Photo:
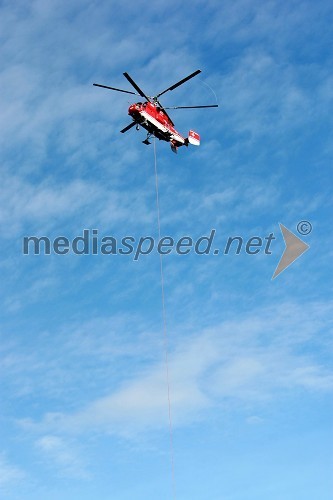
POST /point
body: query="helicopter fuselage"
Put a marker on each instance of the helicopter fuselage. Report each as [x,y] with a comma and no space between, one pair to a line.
[152,118]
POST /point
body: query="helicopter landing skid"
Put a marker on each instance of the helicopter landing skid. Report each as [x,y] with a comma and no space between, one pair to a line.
[146,141]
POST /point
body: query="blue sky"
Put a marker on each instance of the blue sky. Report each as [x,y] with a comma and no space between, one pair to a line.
[84,410]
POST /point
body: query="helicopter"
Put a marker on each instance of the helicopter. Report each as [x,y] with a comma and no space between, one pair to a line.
[153,117]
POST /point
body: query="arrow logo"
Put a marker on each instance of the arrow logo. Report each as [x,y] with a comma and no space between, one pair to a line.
[294,249]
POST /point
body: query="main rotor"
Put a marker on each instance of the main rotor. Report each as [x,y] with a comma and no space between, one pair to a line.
[154,99]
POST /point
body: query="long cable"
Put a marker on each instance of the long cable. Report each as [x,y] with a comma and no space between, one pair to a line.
[200,80]
[165,333]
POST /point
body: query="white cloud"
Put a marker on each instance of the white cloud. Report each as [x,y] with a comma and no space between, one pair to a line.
[73,373]
[243,363]
[49,204]
[63,455]
[25,202]
[9,473]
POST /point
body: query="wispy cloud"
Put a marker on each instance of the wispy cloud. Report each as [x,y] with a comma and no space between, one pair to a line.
[56,452]
[250,362]
[82,359]
[9,474]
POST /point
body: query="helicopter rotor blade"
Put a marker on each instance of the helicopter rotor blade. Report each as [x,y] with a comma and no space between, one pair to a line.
[137,88]
[127,128]
[113,88]
[193,107]
[180,82]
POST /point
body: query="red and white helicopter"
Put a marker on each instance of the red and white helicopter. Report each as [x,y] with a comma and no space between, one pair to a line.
[153,117]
